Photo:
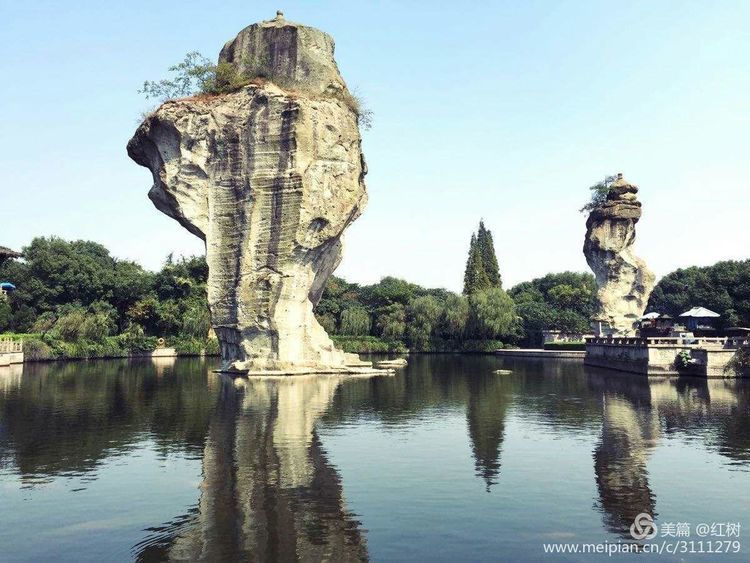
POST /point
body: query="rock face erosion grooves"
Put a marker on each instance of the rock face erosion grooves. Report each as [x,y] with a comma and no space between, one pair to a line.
[625,282]
[269,177]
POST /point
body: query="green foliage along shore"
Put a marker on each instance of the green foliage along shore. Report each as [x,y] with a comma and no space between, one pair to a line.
[395,315]
[723,288]
[564,301]
[77,301]
[74,300]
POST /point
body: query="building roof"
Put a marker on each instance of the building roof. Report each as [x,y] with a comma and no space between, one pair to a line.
[649,316]
[8,253]
[700,312]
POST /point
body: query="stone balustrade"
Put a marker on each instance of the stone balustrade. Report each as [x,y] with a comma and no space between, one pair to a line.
[723,342]
[11,352]
[708,357]
[9,346]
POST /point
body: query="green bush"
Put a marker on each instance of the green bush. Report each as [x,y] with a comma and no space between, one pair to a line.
[599,193]
[54,348]
[5,314]
[187,346]
[20,335]
[194,75]
[36,350]
[134,339]
[739,365]
[212,347]
[79,324]
[391,321]
[571,346]
[447,345]
[368,344]
[683,359]
[110,347]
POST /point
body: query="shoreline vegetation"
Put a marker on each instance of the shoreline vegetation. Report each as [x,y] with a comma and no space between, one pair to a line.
[44,348]
[75,301]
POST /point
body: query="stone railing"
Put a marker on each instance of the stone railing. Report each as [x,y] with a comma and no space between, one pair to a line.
[618,340]
[724,342]
[8,346]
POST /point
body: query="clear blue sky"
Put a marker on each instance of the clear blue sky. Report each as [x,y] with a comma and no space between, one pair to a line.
[502,110]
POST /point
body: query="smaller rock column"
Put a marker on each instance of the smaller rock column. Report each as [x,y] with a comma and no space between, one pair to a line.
[625,282]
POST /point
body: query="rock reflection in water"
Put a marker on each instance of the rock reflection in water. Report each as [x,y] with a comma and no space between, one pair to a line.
[636,412]
[126,444]
[628,436]
[268,492]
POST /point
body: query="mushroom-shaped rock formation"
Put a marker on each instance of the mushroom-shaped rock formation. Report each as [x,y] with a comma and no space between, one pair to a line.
[269,176]
[625,282]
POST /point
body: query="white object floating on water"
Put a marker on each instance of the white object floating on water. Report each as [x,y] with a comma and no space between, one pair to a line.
[397,363]
[503,371]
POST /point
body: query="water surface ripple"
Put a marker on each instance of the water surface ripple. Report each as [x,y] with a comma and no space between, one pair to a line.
[159,460]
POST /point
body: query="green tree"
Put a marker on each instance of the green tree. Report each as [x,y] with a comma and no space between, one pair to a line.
[723,287]
[5,315]
[194,75]
[130,282]
[196,320]
[475,276]
[144,313]
[56,273]
[599,193]
[492,314]
[422,315]
[355,321]
[561,301]
[169,318]
[328,322]
[391,321]
[489,259]
[44,323]
[454,317]
[390,290]
[482,271]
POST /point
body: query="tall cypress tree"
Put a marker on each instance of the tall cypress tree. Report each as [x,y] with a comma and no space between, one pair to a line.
[489,259]
[475,277]
[482,271]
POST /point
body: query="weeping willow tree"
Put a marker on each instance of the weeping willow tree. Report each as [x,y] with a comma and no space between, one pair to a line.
[355,321]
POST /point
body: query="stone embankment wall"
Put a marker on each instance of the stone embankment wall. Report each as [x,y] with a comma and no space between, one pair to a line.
[657,356]
[11,352]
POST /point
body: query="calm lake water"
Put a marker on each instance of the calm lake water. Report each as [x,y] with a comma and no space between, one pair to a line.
[446,461]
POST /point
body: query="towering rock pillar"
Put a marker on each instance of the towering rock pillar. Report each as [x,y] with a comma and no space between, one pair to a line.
[625,282]
[269,176]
